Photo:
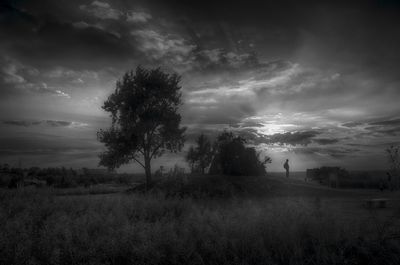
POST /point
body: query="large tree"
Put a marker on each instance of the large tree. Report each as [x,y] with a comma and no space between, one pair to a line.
[145,119]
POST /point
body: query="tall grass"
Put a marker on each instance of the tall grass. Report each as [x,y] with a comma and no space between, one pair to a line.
[40,228]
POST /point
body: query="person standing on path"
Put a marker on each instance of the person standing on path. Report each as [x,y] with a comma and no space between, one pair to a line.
[286,166]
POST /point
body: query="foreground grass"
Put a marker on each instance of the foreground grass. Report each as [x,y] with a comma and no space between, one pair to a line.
[41,228]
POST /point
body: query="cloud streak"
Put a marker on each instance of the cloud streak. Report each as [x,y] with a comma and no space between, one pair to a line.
[50,123]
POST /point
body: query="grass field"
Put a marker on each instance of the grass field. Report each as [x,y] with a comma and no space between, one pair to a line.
[269,221]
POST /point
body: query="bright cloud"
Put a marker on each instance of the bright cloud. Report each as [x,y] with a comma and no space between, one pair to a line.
[102,10]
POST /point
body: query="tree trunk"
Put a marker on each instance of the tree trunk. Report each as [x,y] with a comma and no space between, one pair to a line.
[148,173]
[201,165]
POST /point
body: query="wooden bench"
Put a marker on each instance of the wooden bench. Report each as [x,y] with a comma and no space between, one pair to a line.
[376,203]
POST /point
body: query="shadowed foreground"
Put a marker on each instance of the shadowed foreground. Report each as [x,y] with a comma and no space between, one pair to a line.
[41,228]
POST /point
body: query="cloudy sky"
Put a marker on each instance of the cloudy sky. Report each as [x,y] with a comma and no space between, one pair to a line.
[316,82]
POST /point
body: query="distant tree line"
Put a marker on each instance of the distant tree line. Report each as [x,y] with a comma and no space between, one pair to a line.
[58,177]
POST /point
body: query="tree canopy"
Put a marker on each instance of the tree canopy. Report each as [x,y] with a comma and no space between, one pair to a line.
[233,157]
[145,119]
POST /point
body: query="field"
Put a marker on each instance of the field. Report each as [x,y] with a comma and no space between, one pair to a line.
[249,220]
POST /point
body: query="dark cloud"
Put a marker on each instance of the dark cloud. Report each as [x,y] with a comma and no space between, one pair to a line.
[51,123]
[324,141]
[46,142]
[337,152]
[71,45]
[58,123]
[392,122]
[48,151]
[246,124]
[381,125]
[21,123]
[389,127]
[294,138]
[90,44]
[352,124]
[303,138]
[55,41]
[384,130]
[184,54]
[221,59]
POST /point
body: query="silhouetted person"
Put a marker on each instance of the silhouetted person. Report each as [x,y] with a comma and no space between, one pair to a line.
[286,166]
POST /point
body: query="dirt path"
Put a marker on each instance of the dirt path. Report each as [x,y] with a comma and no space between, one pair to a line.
[310,188]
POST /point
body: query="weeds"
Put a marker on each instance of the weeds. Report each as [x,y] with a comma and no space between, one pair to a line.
[40,228]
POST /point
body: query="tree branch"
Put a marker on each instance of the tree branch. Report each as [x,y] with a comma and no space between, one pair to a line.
[153,129]
[140,163]
[141,151]
[155,150]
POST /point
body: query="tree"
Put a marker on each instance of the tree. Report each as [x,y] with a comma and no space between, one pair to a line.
[234,158]
[200,157]
[191,158]
[230,150]
[145,121]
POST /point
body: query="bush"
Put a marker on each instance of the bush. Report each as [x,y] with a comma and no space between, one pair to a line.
[234,158]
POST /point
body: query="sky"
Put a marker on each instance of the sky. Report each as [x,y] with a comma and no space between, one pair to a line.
[316,82]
